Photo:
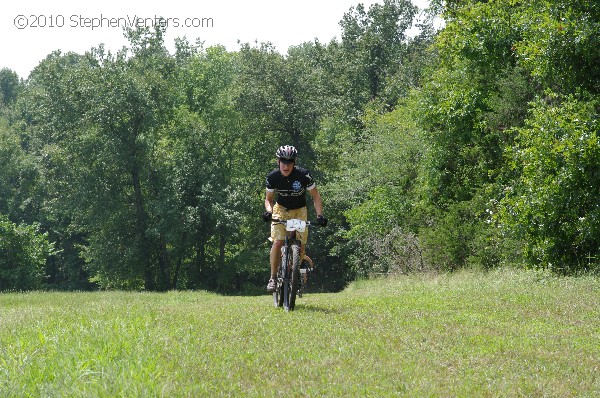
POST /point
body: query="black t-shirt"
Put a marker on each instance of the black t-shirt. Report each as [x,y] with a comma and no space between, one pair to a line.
[291,190]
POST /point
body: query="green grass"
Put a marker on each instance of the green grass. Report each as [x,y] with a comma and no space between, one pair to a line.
[505,333]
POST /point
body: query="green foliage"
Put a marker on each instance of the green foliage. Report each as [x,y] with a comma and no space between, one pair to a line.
[464,235]
[381,190]
[23,254]
[455,161]
[495,57]
[376,39]
[560,43]
[553,203]
[372,158]
[16,173]
[282,99]
[10,86]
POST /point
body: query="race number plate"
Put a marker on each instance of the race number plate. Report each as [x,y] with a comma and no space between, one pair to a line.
[295,225]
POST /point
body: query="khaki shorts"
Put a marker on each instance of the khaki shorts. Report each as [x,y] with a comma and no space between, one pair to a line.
[281,213]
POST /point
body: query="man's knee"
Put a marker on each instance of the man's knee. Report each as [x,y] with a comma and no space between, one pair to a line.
[277,244]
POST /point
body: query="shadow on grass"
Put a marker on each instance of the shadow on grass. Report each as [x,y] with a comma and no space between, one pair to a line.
[315,308]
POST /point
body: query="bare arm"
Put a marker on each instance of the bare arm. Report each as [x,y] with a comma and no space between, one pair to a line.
[269,201]
[316,196]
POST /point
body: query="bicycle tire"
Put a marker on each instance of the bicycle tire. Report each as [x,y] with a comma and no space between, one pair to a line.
[295,277]
[277,296]
[278,293]
[284,292]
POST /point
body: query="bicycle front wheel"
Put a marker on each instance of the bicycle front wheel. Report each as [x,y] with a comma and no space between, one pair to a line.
[295,277]
[282,280]
[278,296]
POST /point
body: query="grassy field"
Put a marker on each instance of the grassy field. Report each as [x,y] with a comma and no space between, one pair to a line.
[505,333]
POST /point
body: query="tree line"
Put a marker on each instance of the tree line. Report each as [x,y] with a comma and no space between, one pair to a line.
[472,145]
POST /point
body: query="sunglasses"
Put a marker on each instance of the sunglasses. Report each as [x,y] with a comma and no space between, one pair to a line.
[286,161]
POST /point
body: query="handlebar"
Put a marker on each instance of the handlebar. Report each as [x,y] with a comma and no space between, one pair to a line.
[281,221]
[295,224]
[308,223]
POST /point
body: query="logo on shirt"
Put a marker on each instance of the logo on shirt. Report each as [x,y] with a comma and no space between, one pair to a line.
[296,185]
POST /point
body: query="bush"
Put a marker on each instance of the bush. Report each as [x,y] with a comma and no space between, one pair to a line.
[23,254]
[446,241]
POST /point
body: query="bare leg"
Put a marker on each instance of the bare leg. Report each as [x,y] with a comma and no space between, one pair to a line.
[275,257]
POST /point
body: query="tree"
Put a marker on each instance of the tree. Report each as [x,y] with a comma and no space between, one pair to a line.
[17,173]
[559,44]
[553,204]
[385,216]
[203,152]
[374,44]
[94,121]
[370,145]
[469,100]
[10,86]
[133,98]
[495,58]
[281,97]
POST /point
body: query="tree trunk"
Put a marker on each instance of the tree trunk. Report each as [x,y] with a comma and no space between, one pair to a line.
[164,266]
[222,243]
[143,246]
[200,261]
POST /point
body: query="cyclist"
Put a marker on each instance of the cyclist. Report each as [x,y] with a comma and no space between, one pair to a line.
[290,182]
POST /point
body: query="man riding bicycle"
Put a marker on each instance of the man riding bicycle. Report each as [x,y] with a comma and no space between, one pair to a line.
[291,183]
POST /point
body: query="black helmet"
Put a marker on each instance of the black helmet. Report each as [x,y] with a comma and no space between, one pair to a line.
[287,152]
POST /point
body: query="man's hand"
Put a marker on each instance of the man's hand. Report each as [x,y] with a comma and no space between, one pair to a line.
[322,221]
[267,216]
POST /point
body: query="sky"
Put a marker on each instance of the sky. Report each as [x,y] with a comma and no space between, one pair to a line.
[31,30]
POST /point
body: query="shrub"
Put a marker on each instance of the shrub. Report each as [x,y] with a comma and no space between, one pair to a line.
[23,254]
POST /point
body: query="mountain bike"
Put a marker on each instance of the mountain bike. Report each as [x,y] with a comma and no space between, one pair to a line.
[289,280]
